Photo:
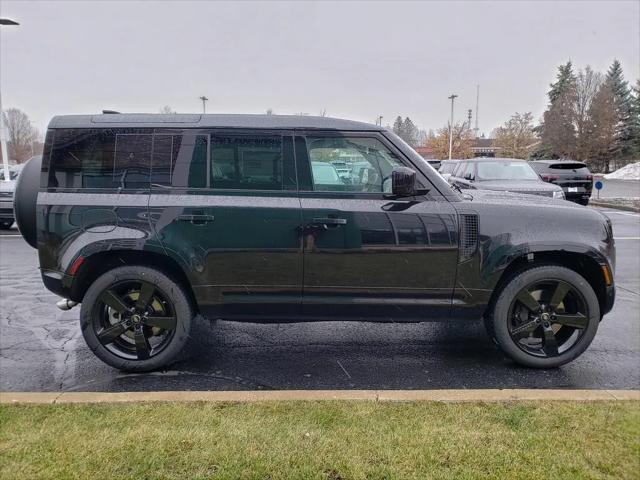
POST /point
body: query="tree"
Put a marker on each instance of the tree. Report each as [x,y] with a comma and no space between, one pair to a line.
[557,130]
[635,120]
[462,142]
[601,128]
[167,109]
[623,145]
[406,130]
[516,138]
[269,111]
[565,81]
[22,136]
[588,83]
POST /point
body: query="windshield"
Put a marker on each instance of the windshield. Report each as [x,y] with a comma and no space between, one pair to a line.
[505,170]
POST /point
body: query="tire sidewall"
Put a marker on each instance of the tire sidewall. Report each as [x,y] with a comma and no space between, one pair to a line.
[181,305]
[500,317]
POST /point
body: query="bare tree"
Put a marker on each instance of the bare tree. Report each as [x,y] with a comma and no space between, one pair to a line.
[516,138]
[462,141]
[587,85]
[22,136]
[602,120]
[167,109]
[269,111]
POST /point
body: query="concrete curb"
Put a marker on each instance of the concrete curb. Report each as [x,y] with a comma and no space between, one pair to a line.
[615,206]
[508,395]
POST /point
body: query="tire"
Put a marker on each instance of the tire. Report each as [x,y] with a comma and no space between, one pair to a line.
[501,322]
[6,224]
[168,318]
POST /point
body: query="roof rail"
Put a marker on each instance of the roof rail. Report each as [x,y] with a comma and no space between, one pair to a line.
[109,112]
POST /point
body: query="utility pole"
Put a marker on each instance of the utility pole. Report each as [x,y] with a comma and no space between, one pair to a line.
[477,105]
[3,142]
[452,98]
[204,105]
[379,120]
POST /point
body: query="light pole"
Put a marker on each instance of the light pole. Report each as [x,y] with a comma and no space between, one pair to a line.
[204,106]
[3,142]
[379,120]
[452,98]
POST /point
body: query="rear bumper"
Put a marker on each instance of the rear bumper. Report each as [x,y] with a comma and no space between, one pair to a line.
[57,282]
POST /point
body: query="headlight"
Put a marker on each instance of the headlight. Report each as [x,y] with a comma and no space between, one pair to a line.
[558,194]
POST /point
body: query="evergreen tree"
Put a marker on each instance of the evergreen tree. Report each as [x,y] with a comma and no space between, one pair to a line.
[623,102]
[565,81]
[557,130]
[410,132]
[398,126]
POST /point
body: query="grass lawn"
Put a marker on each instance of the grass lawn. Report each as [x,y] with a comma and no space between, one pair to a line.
[321,440]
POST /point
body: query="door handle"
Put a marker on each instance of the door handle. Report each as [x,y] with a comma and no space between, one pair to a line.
[195,219]
[328,222]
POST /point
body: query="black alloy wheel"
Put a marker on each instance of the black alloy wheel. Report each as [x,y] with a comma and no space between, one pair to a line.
[544,316]
[136,318]
[547,318]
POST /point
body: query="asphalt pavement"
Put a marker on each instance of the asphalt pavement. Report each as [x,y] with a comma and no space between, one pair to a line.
[41,348]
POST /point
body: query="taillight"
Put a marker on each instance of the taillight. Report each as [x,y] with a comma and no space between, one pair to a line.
[549,178]
[589,177]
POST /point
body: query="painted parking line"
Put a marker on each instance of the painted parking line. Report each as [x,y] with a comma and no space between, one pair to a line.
[458,395]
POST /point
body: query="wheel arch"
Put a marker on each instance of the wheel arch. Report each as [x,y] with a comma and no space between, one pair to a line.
[581,263]
[101,262]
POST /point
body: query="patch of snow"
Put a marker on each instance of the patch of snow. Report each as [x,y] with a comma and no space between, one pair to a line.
[628,172]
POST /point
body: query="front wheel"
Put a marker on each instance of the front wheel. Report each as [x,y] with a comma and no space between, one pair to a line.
[545,317]
[136,318]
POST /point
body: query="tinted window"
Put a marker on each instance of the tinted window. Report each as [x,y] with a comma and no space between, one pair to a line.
[360,164]
[505,170]
[248,163]
[83,159]
[132,160]
[180,160]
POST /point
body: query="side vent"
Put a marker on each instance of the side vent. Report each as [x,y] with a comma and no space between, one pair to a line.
[468,238]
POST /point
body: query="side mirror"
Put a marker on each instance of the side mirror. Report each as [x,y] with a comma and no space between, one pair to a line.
[468,177]
[403,182]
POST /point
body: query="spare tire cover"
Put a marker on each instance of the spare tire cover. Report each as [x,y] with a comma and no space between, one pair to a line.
[25,198]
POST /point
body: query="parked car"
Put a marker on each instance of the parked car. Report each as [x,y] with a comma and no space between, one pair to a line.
[447,167]
[435,164]
[574,178]
[502,174]
[144,257]
[6,196]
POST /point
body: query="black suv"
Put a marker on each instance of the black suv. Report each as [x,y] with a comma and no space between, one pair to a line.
[149,220]
[574,178]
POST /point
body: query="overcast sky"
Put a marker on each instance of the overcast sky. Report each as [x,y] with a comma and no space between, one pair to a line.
[356,60]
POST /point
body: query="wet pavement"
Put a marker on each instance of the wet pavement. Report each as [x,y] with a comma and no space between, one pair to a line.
[41,348]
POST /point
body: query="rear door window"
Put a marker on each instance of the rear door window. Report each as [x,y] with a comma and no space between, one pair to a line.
[251,162]
[180,160]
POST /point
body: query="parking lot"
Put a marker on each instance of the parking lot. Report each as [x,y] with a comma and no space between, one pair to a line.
[41,348]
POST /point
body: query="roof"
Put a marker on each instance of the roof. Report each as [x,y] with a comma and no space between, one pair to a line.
[177,120]
[494,159]
[483,143]
[563,160]
[425,152]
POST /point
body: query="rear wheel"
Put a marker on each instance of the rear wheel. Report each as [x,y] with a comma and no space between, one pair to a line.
[545,317]
[136,318]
